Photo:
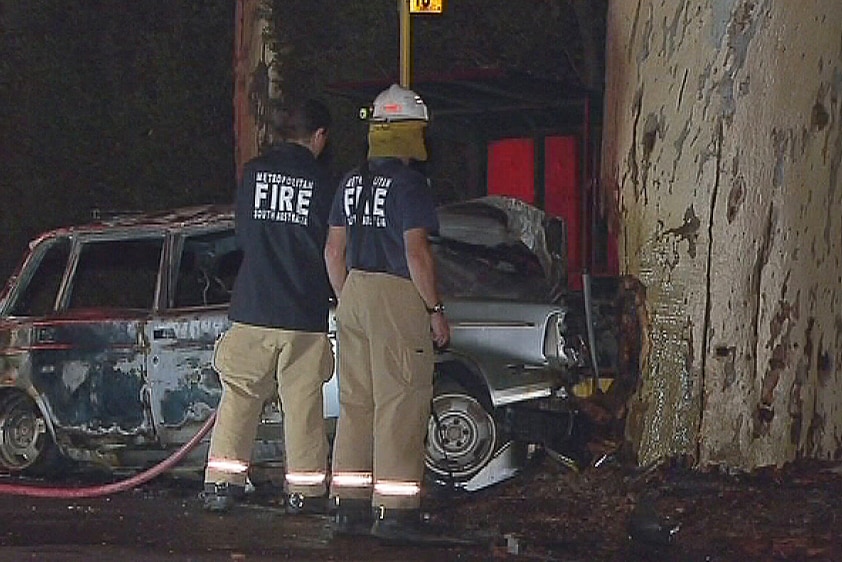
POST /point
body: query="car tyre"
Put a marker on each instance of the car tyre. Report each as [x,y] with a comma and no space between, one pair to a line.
[26,446]
[462,435]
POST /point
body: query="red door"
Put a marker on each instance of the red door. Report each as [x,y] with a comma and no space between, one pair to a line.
[511,168]
[563,198]
[511,172]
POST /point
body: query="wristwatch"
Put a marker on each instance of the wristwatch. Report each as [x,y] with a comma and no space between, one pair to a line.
[437,308]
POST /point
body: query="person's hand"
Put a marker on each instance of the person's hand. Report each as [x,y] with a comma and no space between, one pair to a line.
[440,329]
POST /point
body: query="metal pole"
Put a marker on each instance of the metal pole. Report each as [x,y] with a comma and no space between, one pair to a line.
[403,9]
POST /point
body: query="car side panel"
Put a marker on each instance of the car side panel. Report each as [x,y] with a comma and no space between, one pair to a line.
[504,342]
[87,373]
[183,388]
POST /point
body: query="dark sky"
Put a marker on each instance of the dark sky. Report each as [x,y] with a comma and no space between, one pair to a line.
[128,105]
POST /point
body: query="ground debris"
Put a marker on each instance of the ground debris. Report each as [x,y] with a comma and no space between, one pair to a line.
[547,513]
[619,513]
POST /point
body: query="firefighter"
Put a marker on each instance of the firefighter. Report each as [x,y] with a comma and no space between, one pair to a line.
[388,318]
[279,311]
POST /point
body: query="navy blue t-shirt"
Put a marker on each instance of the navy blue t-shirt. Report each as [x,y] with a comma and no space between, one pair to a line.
[397,199]
[281,215]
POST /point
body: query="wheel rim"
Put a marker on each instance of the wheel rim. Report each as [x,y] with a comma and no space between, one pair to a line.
[463,441]
[22,433]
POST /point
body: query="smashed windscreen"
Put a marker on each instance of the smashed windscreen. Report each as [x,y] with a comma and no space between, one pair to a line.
[498,247]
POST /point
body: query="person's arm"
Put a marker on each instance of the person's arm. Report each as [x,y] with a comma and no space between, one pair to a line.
[422,271]
[335,258]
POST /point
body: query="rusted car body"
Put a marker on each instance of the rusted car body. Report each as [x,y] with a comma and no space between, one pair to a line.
[107,332]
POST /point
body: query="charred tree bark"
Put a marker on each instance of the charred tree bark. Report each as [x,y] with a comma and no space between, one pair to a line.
[722,145]
[256,84]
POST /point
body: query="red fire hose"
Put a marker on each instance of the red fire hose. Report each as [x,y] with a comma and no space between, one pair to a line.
[106,489]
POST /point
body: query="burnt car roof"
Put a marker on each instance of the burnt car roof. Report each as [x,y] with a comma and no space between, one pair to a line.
[171,219]
[488,247]
[484,221]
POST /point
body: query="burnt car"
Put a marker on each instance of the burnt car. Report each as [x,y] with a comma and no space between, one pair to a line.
[107,332]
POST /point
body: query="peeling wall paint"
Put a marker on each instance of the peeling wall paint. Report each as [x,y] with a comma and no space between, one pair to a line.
[721,149]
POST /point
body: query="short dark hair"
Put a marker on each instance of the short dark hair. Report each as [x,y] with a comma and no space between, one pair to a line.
[298,120]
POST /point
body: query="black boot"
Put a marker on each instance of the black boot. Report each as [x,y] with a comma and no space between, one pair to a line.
[353,517]
[221,497]
[405,527]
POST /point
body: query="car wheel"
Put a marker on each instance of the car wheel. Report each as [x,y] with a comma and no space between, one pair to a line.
[25,443]
[461,435]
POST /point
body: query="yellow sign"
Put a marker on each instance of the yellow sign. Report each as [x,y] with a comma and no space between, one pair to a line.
[425,6]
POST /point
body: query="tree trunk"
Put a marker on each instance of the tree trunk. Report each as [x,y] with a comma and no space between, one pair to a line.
[255,80]
[722,146]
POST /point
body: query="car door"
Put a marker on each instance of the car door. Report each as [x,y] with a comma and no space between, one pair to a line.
[184,389]
[90,359]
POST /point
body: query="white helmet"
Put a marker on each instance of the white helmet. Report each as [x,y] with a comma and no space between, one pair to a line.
[398,104]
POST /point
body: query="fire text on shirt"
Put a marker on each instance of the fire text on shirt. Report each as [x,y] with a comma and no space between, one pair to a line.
[282,198]
[374,202]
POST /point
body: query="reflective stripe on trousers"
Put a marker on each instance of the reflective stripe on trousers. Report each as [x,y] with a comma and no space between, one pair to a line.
[360,480]
[222,470]
[402,489]
[306,478]
[228,465]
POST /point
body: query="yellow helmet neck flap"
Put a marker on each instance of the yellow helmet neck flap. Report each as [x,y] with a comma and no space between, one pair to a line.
[399,139]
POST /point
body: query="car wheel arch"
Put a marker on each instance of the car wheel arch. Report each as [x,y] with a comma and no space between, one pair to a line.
[466,374]
[50,459]
[463,432]
[39,401]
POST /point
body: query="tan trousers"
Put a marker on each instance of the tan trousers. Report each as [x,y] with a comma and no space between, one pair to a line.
[251,361]
[385,386]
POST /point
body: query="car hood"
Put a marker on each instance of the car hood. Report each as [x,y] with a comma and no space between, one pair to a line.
[496,247]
